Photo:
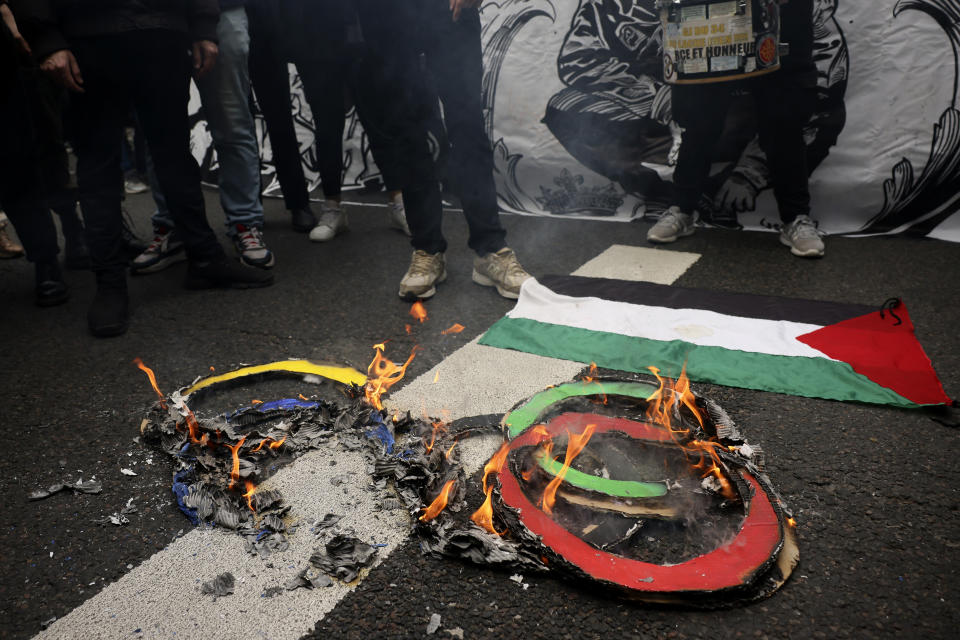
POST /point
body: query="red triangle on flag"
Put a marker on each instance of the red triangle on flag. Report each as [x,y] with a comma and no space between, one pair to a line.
[884,350]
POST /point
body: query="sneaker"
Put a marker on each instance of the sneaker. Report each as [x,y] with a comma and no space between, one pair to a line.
[302,220]
[333,220]
[420,280]
[672,224]
[133,184]
[803,238]
[222,272]
[164,250]
[398,216]
[500,270]
[249,244]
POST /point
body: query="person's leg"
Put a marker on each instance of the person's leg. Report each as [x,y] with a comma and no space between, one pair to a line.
[784,105]
[394,112]
[161,93]
[271,85]
[455,62]
[99,116]
[324,84]
[225,94]
[700,111]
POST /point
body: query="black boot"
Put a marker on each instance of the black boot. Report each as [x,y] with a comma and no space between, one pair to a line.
[109,313]
[51,290]
[303,219]
[224,272]
[76,257]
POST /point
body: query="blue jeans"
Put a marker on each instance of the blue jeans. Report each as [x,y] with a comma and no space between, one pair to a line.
[225,92]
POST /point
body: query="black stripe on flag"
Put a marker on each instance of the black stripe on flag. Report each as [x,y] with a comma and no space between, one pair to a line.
[744,305]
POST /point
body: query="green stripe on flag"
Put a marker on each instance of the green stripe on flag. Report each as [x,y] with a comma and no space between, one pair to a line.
[808,377]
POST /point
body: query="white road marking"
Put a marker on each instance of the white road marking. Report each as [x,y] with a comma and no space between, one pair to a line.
[162,598]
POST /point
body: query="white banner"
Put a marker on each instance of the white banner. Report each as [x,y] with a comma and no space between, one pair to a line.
[578,115]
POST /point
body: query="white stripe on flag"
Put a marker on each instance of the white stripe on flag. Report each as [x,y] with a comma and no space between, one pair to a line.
[694,326]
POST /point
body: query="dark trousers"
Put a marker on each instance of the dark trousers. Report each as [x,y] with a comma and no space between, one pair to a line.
[20,185]
[454,62]
[784,102]
[274,42]
[149,69]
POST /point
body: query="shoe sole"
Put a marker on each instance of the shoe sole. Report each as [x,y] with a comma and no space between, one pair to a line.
[668,240]
[259,265]
[335,234]
[484,281]
[161,264]
[410,296]
[813,253]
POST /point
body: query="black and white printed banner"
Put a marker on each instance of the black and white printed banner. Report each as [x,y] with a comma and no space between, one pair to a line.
[579,116]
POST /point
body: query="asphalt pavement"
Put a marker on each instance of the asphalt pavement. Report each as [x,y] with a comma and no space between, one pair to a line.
[874,488]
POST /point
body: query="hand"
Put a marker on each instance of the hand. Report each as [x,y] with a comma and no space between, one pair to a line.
[204,57]
[736,195]
[63,67]
[456,6]
[11,23]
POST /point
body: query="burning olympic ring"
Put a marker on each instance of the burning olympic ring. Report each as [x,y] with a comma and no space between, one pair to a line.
[523,417]
[344,375]
[762,544]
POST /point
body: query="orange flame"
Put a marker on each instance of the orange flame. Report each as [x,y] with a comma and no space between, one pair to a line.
[303,397]
[483,517]
[439,503]
[436,377]
[383,374]
[792,522]
[575,444]
[408,329]
[193,428]
[455,328]
[418,311]
[276,445]
[235,471]
[450,450]
[251,489]
[495,464]
[153,380]
[256,402]
[433,435]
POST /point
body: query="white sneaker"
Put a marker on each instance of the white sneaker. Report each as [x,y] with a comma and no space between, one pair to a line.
[500,270]
[333,220]
[672,224]
[398,216]
[253,251]
[420,280]
[164,250]
[803,238]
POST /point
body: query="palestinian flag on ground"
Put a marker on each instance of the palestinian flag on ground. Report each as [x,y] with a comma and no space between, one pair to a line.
[799,347]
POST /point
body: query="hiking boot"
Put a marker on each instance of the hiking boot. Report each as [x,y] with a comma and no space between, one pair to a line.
[500,270]
[672,224]
[222,272]
[302,220]
[164,250]
[8,248]
[420,280]
[398,216]
[50,288]
[803,238]
[253,251]
[333,220]
[109,313]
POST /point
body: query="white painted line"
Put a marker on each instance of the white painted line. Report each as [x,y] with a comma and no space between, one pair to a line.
[162,596]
